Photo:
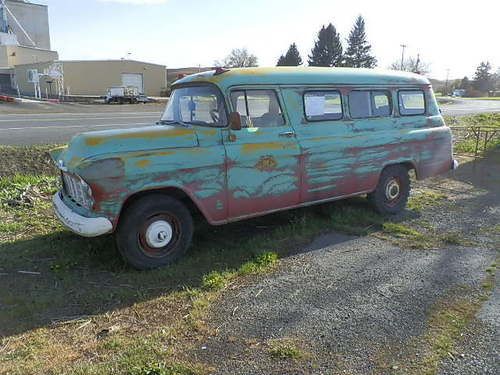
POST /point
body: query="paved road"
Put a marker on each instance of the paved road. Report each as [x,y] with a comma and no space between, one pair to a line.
[460,107]
[33,128]
[60,127]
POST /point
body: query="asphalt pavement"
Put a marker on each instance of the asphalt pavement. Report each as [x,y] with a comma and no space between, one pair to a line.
[18,129]
[461,107]
[36,124]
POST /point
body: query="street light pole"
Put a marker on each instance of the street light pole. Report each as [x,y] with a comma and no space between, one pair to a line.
[403,46]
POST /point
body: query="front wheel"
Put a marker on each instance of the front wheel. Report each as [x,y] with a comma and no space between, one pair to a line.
[154,231]
[393,190]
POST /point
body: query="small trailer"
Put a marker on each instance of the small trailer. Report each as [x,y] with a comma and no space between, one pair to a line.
[122,94]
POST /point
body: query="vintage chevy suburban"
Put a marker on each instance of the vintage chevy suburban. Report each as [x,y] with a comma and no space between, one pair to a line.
[237,143]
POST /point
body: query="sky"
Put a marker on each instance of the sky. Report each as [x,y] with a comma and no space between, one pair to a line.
[448,35]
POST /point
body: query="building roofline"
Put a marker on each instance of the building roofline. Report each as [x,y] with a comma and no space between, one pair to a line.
[93,61]
[112,60]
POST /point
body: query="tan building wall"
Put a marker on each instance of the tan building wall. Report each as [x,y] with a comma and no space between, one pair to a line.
[95,77]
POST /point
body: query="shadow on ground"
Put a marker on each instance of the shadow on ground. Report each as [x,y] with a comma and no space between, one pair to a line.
[60,276]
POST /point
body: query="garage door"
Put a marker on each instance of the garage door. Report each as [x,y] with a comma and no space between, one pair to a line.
[133,79]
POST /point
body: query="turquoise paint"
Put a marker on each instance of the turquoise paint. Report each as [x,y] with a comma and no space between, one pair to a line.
[235,174]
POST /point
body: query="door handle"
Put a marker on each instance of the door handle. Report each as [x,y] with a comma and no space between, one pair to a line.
[288,134]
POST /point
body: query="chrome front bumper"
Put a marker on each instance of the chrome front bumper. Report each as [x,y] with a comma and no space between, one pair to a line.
[84,226]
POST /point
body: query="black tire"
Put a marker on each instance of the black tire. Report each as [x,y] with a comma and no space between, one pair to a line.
[142,231]
[392,192]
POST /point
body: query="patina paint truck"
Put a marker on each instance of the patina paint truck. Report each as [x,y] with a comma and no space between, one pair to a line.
[238,143]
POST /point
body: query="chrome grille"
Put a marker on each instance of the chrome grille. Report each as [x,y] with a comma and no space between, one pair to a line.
[75,189]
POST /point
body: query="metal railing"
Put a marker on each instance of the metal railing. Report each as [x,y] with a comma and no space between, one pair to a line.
[481,136]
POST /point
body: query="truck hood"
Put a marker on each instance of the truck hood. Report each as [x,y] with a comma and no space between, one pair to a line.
[95,145]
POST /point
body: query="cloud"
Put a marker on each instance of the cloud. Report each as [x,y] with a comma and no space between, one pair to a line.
[136,2]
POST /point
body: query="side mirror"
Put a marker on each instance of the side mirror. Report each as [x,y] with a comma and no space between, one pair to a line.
[234,121]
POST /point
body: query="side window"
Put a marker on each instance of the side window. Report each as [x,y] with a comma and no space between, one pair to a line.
[257,108]
[360,104]
[411,102]
[381,104]
[322,105]
[364,104]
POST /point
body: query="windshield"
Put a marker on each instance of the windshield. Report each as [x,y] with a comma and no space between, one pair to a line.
[196,105]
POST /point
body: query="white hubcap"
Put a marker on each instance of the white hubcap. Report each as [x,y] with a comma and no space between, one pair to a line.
[392,189]
[159,234]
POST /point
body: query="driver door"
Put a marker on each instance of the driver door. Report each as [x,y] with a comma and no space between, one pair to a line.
[263,172]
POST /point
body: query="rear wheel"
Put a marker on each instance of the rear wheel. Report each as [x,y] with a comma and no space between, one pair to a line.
[393,190]
[154,231]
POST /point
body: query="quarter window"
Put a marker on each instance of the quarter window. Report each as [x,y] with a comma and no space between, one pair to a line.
[364,104]
[257,108]
[323,105]
[411,102]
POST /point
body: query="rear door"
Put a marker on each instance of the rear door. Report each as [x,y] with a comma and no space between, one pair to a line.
[263,173]
[134,80]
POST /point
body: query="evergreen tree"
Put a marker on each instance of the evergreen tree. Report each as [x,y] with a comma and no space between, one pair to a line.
[291,58]
[358,49]
[483,79]
[465,83]
[281,61]
[327,50]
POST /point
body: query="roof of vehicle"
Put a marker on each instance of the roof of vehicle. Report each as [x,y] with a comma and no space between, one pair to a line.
[304,76]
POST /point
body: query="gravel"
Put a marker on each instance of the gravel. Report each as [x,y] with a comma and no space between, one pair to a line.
[353,304]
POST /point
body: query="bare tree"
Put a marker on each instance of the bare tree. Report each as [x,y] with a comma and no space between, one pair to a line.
[412,64]
[238,58]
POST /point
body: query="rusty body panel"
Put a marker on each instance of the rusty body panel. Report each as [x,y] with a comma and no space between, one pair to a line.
[230,175]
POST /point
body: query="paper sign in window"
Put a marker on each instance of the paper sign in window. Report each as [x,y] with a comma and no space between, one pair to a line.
[316,105]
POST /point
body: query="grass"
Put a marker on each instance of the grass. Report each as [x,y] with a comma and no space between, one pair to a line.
[422,199]
[70,304]
[466,140]
[447,320]
[26,160]
[483,98]
[483,119]
[286,349]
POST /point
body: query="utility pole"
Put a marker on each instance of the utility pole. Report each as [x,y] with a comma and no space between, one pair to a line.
[417,63]
[403,46]
[446,83]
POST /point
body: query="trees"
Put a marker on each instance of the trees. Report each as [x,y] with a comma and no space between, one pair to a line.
[358,49]
[238,58]
[483,79]
[327,50]
[465,83]
[291,58]
[412,64]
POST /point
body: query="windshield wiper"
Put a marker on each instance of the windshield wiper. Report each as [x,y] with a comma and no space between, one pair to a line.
[173,122]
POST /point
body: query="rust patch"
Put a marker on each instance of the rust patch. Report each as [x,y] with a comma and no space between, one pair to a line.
[254,147]
[143,163]
[94,141]
[266,164]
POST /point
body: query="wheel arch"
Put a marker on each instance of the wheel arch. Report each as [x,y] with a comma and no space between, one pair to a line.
[408,164]
[175,192]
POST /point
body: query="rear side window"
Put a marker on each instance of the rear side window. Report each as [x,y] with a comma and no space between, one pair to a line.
[258,108]
[364,104]
[323,105]
[411,102]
